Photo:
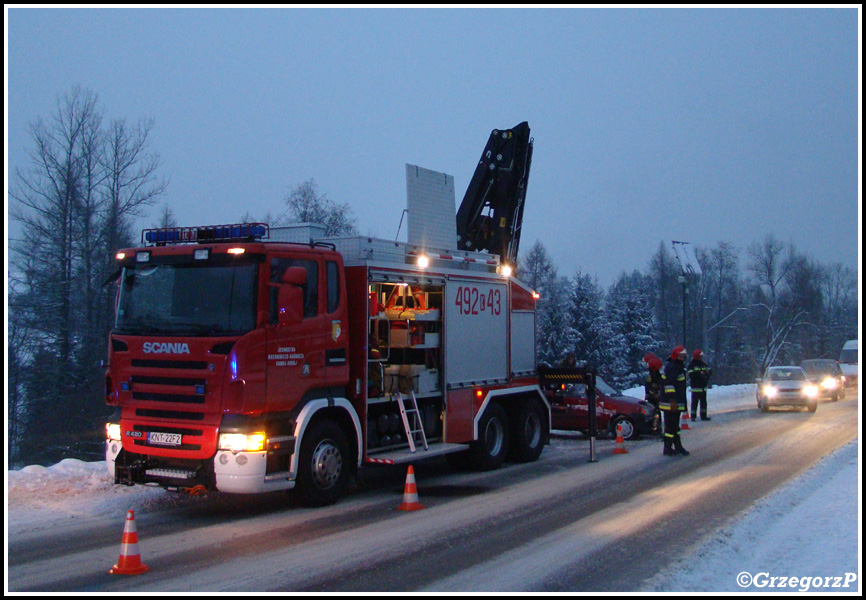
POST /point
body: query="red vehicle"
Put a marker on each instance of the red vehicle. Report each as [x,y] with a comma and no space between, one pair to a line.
[569,410]
[246,364]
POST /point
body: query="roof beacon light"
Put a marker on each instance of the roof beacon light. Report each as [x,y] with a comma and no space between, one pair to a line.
[506,271]
[240,232]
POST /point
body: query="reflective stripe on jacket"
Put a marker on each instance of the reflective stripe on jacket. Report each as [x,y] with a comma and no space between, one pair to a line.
[673,385]
[699,375]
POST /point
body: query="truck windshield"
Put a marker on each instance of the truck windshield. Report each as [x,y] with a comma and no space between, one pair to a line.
[187,299]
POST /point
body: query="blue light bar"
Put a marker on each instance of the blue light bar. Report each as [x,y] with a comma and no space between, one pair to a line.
[212,233]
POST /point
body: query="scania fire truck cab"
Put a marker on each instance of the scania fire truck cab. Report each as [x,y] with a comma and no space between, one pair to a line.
[244,361]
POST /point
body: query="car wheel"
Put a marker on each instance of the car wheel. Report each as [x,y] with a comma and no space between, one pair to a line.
[762,406]
[813,406]
[629,430]
[492,445]
[528,432]
[323,464]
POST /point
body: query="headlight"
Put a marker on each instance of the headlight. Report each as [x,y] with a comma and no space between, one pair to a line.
[829,384]
[811,390]
[112,431]
[241,442]
[770,391]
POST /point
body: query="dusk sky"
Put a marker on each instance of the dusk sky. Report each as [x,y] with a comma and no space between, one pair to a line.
[650,125]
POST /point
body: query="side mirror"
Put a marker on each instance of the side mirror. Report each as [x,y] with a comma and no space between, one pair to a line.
[295,276]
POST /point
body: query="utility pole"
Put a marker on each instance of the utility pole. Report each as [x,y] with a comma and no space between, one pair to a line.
[688,267]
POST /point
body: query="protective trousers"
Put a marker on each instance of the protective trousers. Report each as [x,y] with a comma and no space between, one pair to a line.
[673,445]
[699,398]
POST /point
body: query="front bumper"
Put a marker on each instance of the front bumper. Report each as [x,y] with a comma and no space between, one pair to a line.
[231,472]
[789,399]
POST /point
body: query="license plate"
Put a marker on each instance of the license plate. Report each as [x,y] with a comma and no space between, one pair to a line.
[165,439]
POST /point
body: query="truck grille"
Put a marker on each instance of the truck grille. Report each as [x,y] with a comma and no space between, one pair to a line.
[180,398]
[150,385]
[169,364]
[169,414]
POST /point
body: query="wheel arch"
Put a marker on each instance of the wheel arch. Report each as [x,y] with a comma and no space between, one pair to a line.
[511,399]
[338,410]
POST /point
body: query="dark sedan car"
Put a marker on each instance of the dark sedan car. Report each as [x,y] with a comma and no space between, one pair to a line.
[569,410]
[827,375]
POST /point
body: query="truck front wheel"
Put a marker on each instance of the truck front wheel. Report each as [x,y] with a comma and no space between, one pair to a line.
[323,464]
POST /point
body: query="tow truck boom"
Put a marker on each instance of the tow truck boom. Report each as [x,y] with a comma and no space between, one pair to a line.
[491,214]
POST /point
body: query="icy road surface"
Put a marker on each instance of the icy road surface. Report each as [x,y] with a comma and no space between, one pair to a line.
[522,528]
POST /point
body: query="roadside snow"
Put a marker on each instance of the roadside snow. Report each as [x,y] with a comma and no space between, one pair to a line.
[778,537]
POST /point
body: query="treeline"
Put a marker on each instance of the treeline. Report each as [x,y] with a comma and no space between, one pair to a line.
[87,180]
[768,304]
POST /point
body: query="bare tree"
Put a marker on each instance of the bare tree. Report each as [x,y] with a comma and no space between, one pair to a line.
[75,203]
[306,205]
[772,265]
[166,218]
[54,202]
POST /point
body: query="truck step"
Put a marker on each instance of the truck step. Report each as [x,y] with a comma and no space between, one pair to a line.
[398,457]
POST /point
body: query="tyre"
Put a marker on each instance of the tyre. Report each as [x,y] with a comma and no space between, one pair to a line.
[323,464]
[762,406]
[489,451]
[528,432]
[813,406]
[629,429]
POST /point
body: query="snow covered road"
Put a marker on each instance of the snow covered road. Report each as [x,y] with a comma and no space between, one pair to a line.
[219,543]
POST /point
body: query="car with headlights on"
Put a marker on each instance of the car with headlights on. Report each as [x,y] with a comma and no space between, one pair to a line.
[786,386]
[569,410]
[827,375]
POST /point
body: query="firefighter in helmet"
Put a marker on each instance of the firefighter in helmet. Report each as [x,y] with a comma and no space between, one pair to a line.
[673,400]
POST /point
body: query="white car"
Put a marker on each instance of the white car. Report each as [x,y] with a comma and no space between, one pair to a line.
[848,359]
[786,386]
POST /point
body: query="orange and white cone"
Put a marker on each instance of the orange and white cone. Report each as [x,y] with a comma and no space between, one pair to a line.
[410,493]
[684,422]
[129,562]
[619,446]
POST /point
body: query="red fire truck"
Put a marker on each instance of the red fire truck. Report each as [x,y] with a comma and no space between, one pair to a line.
[244,361]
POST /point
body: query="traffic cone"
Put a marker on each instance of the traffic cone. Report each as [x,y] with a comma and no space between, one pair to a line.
[410,493]
[684,422]
[619,446]
[129,562]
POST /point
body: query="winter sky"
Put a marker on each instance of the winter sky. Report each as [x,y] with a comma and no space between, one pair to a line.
[650,125]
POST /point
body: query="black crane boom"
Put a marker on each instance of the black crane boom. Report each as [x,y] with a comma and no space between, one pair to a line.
[491,214]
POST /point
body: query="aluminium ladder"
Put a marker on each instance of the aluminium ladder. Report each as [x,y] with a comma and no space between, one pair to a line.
[416,428]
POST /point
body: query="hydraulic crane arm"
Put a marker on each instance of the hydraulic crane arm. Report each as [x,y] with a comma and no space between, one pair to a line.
[491,214]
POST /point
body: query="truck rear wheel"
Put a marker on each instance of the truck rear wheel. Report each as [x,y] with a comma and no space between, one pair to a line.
[323,464]
[492,445]
[528,432]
